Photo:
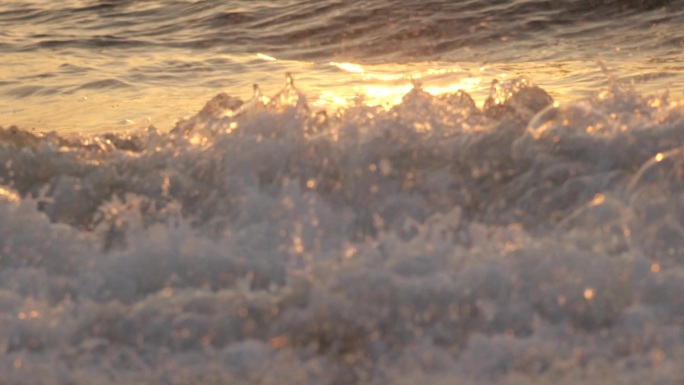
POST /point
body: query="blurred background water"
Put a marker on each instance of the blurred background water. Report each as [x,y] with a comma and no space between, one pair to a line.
[112,65]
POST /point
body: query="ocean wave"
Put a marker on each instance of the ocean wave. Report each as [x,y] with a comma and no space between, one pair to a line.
[156,59]
[435,241]
[301,30]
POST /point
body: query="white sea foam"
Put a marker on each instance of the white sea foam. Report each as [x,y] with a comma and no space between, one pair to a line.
[435,242]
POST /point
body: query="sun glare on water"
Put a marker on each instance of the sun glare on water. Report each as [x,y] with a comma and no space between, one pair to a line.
[385,85]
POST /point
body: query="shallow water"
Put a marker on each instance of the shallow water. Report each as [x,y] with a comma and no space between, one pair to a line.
[452,223]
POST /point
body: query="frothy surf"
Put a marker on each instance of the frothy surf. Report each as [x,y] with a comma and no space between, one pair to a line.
[436,241]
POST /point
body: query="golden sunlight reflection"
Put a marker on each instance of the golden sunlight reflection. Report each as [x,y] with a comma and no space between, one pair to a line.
[384,94]
[8,196]
[385,85]
[266,57]
[349,67]
[158,88]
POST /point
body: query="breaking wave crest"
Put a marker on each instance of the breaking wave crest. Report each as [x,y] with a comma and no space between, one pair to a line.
[261,242]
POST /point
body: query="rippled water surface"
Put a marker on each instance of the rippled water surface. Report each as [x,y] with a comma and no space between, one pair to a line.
[111,65]
[474,192]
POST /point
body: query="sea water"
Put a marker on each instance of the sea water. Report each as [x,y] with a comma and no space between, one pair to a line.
[426,192]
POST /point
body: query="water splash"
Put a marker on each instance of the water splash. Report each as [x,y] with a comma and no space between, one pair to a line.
[289,96]
[433,241]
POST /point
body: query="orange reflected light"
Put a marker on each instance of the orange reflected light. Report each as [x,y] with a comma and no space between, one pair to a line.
[8,195]
[655,267]
[382,95]
[266,57]
[598,200]
[349,67]
[466,84]
[388,77]
[390,83]
[328,98]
